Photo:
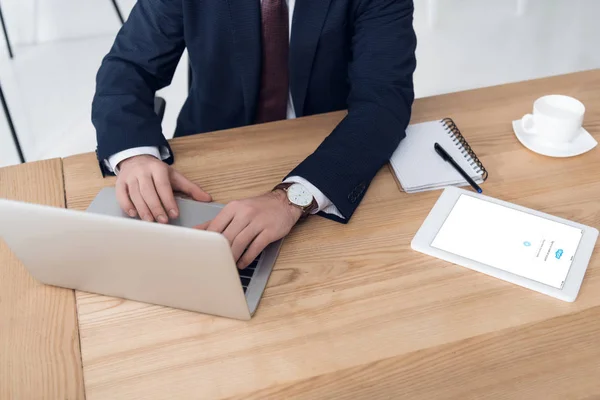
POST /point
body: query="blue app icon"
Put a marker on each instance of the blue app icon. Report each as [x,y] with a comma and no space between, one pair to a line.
[559,254]
[526,244]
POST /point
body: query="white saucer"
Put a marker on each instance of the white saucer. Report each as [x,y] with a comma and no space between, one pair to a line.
[584,142]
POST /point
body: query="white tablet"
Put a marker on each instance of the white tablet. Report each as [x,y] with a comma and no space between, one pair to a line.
[519,245]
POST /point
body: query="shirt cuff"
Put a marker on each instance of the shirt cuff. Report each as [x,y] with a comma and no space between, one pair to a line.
[324,204]
[114,160]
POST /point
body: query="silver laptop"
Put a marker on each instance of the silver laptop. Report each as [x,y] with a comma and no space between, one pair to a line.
[104,251]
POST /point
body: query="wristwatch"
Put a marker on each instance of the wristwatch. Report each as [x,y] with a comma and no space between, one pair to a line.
[299,196]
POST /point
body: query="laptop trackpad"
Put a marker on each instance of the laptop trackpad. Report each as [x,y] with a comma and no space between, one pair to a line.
[191,213]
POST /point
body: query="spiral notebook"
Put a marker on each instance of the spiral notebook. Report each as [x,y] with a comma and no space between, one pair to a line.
[419,168]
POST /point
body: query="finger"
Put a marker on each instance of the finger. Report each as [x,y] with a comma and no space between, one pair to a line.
[202,226]
[235,227]
[257,245]
[136,197]
[222,220]
[151,198]
[183,184]
[165,192]
[243,240]
[124,200]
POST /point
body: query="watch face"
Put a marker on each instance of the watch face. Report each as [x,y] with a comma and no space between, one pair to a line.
[298,195]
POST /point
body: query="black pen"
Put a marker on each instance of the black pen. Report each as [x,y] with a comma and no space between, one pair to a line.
[446,157]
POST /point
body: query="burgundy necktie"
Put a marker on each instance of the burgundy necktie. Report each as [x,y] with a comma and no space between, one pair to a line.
[272,103]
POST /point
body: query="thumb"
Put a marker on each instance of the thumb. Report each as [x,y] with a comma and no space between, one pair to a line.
[203,226]
[182,184]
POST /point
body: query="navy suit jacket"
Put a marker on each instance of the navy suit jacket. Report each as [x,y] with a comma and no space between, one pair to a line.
[344,54]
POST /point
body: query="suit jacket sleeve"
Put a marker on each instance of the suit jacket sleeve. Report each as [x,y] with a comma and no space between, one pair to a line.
[141,61]
[379,105]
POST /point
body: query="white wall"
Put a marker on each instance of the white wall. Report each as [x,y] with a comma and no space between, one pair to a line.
[42,21]
[465,44]
[462,44]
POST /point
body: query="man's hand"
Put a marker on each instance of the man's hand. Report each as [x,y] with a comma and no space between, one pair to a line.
[145,187]
[252,224]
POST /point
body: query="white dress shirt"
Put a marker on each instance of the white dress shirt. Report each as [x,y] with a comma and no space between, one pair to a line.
[324,204]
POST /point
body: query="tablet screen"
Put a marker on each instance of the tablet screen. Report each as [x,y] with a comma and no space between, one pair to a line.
[511,240]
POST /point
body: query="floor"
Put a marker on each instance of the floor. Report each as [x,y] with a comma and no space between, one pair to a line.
[462,44]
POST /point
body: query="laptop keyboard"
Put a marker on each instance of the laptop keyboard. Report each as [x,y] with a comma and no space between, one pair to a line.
[247,273]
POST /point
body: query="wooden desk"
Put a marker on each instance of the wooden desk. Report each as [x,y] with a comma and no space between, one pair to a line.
[39,339]
[350,311]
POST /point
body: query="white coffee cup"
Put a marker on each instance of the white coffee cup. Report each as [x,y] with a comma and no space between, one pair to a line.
[556,118]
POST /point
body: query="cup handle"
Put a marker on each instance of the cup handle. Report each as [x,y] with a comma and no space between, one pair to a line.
[528,123]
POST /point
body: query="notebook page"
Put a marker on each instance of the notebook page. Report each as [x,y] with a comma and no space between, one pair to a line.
[418,166]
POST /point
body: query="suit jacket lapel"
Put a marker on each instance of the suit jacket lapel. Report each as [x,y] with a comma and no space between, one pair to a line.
[245,21]
[307,23]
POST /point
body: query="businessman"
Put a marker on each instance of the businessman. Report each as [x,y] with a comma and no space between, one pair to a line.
[256,61]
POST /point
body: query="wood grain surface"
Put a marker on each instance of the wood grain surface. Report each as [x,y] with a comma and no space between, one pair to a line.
[39,339]
[351,311]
